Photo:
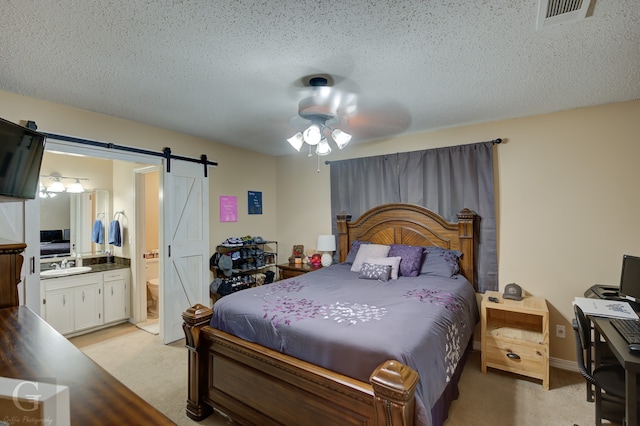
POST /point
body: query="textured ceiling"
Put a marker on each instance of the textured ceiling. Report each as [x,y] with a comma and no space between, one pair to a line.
[229,71]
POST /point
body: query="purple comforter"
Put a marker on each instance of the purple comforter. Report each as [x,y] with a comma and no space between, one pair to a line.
[349,325]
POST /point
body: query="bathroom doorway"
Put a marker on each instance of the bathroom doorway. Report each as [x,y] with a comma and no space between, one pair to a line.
[149,274]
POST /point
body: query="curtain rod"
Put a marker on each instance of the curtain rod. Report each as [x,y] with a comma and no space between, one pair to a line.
[495,142]
[166,152]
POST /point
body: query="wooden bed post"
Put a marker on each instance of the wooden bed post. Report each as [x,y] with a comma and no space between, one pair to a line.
[466,229]
[343,235]
[195,318]
[394,386]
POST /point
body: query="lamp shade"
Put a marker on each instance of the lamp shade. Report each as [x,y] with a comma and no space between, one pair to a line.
[76,187]
[296,141]
[57,186]
[326,243]
[323,148]
[312,135]
[340,138]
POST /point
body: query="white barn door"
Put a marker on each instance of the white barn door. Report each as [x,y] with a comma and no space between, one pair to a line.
[186,241]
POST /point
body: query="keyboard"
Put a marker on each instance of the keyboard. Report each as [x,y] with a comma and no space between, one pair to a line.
[629,329]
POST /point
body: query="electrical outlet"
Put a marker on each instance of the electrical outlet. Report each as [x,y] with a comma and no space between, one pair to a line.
[560,331]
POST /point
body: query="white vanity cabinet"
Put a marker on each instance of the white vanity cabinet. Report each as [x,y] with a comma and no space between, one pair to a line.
[74,303]
[116,295]
[81,303]
[59,309]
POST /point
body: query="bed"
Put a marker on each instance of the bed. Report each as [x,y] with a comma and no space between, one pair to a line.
[255,383]
[53,242]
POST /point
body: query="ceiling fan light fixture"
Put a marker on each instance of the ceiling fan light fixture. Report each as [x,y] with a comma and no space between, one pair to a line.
[312,135]
[323,148]
[340,138]
[296,141]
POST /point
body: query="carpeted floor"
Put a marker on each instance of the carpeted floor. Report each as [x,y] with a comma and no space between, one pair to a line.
[158,373]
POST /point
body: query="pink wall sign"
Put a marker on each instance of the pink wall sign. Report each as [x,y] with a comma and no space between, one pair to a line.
[228,208]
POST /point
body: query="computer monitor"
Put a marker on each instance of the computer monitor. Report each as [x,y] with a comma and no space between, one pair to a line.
[630,278]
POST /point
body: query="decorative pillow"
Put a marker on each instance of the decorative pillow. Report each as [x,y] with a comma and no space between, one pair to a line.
[370,271]
[394,262]
[368,250]
[439,261]
[351,256]
[411,258]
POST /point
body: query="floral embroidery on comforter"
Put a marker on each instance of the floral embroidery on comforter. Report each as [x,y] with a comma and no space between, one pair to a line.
[333,319]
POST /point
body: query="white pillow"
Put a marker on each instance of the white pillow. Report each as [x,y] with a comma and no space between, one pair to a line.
[393,261]
[368,250]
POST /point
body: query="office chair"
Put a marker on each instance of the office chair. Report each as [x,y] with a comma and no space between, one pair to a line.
[609,378]
[606,356]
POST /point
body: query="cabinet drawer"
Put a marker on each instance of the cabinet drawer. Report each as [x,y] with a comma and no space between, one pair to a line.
[531,362]
[119,274]
[284,274]
[71,281]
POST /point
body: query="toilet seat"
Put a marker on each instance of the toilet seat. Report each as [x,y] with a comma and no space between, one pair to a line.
[153,281]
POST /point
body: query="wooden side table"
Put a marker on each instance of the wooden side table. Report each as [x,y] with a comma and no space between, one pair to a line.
[515,336]
[288,270]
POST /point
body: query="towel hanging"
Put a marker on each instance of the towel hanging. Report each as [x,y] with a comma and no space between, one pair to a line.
[115,235]
[97,234]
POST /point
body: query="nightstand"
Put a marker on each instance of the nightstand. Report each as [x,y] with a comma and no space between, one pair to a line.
[288,270]
[515,336]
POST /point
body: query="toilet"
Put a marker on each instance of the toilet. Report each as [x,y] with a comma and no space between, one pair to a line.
[152,284]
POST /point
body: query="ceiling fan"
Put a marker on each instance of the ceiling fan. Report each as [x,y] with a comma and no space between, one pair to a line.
[328,113]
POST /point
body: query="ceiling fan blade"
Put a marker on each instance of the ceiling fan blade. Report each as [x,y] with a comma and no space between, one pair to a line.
[374,120]
[364,117]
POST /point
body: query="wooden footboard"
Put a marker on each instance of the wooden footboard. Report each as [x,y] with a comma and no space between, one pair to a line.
[254,385]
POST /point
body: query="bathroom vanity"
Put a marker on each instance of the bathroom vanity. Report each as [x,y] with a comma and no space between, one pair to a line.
[79,303]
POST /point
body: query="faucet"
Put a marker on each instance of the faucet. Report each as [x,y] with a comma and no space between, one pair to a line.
[65,264]
[55,265]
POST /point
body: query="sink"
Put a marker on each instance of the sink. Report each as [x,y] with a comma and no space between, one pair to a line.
[66,271]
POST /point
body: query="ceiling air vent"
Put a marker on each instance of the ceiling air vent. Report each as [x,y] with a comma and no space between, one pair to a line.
[552,12]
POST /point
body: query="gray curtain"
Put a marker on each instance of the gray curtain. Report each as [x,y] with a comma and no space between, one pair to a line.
[444,180]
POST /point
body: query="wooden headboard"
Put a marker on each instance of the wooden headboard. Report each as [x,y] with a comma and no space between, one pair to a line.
[412,225]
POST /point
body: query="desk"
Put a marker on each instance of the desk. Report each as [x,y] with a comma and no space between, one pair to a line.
[31,349]
[631,363]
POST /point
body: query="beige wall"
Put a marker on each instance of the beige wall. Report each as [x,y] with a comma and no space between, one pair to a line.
[567,190]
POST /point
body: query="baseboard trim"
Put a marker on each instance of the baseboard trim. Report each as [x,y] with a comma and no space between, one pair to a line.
[553,362]
[563,364]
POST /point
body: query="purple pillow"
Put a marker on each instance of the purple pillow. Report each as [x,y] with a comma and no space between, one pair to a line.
[351,256]
[411,258]
[441,262]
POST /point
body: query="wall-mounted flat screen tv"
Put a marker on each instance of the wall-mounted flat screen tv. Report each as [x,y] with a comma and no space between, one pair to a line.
[21,151]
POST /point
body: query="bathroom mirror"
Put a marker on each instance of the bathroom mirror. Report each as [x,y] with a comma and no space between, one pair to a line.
[67,223]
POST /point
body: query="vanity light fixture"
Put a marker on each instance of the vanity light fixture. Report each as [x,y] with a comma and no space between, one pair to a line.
[76,187]
[58,186]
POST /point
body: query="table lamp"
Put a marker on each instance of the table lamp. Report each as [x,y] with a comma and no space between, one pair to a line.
[326,243]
